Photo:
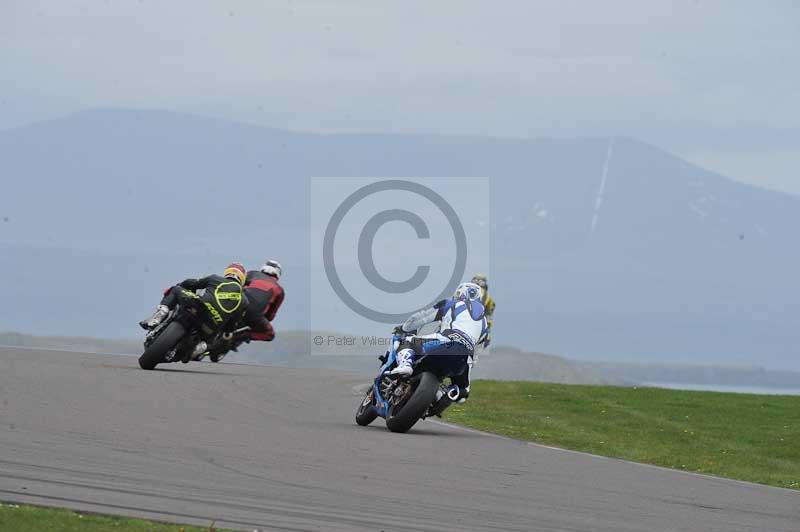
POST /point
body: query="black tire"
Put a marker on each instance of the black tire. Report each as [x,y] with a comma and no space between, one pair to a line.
[366,414]
[155,352]
[416,406]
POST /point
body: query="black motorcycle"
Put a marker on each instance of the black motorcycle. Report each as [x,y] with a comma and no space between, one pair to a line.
[178,335]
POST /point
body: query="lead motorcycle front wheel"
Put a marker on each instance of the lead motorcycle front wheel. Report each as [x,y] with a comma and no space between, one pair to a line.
[366,413]
[154,353]
[403,416]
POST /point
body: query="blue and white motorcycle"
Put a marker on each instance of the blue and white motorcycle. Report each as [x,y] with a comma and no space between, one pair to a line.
[404,400]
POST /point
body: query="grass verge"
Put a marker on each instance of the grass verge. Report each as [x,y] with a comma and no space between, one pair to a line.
[22,518]
[741,436]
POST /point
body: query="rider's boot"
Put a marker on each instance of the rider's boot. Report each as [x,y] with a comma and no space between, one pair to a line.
[439,404]
[444,398]
[157,317]
[403,368]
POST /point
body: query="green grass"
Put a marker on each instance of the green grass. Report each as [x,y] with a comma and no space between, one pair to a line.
[20,518]
[741,436]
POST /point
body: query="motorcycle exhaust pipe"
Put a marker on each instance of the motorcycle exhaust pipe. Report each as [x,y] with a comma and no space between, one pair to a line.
[453,391]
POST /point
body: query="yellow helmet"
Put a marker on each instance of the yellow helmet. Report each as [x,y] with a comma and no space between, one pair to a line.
[481,280]
[237,272]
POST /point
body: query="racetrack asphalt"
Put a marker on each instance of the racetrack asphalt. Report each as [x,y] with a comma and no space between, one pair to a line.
[257,447]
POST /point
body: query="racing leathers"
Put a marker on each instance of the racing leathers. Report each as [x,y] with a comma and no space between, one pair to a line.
[265,296]
[462,325]
[224,301]
[488,305]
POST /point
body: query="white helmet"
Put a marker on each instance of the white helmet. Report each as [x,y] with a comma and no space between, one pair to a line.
[468,291]
[273,268]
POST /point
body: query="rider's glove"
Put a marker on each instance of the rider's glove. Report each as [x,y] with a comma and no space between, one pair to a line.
[398,329]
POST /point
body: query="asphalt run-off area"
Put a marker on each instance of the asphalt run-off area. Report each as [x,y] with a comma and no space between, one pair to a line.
[277,449]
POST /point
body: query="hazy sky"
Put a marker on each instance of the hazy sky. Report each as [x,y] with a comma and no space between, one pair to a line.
[715,82]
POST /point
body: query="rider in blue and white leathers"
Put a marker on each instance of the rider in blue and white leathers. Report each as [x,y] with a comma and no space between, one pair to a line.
[462,326]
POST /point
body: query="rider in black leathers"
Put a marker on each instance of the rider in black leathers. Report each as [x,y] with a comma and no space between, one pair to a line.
[223,298]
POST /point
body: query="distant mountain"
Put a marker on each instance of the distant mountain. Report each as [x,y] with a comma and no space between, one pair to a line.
[603,249]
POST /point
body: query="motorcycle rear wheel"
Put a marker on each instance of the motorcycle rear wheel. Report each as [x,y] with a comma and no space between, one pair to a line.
[416,406]
[154,353]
